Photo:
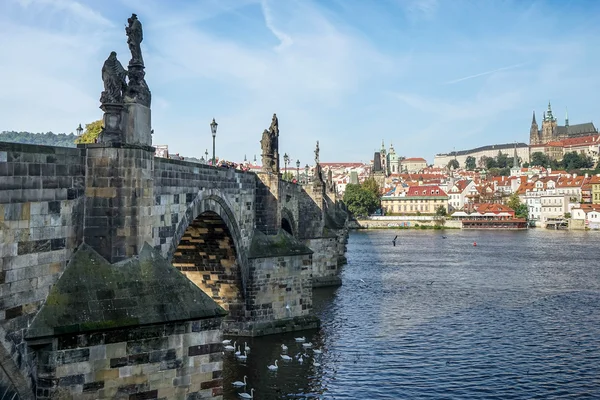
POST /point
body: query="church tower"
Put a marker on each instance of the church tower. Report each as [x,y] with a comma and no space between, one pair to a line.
[549,126]
[534,132]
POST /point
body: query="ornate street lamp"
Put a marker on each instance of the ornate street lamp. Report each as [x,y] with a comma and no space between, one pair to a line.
[306,168]
[286,159]
[213,129]
[298,171]
[79,130]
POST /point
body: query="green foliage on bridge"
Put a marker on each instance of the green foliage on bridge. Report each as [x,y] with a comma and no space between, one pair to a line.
[44,139]
[92,130]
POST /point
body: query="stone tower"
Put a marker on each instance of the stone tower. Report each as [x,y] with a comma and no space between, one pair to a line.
[534,137]
[549,126]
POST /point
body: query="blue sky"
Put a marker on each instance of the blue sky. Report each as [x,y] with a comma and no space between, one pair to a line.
[427,75]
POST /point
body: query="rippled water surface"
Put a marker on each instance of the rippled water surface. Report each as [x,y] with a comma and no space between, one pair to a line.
[515,317]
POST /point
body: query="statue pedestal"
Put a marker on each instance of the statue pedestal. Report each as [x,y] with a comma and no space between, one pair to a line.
[138,124]
[112,122]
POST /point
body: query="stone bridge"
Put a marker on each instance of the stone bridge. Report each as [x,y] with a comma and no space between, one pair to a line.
[120,270]
[254,243]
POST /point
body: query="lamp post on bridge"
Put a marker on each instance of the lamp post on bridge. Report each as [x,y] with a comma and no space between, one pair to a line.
[79,130]
[213,129]
[206,156]
[286,160]
[298,171]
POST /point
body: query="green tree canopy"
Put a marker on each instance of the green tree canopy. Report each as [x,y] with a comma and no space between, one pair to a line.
[441,211]
[92,130]
[453,164]
[360,200]
[371,185]
[470,164]
[520,208]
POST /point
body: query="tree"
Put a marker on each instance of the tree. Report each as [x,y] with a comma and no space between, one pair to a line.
[515,203]
[92,130]
[539,159]
[502,160]
[360,200]
[288,176]
[371,185]
[470,164]
[441,211]
[453,164]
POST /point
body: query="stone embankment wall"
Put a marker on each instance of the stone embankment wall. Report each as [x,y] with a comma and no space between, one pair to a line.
[170,361]
[401,223]
[41,221]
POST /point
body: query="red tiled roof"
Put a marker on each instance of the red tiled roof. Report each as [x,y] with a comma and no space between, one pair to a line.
[434,191]
[415,159]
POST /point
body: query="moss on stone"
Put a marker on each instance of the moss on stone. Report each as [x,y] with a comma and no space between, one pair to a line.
[94,295]
[280,245]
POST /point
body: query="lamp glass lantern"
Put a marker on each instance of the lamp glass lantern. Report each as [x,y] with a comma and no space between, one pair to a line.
[79,130]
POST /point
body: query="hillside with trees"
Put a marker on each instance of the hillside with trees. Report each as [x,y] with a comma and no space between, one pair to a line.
[45,139]
[90,134]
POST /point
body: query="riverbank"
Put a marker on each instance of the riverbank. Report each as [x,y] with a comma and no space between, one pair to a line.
[404,224]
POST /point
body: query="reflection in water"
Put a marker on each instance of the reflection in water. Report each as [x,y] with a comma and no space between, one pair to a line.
[515,317]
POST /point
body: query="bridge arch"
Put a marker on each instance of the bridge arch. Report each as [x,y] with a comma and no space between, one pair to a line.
[288,222]
[206,247]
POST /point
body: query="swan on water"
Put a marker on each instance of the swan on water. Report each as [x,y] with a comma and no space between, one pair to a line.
[317,351]
[246,347]
[246,395]
[230,347]
[273,367]
[316,364]
[300,359]
[307,345]
[238,352]
[286,357]
[242,357]
[283,347]
[226,341]
[300,339]
[239,383]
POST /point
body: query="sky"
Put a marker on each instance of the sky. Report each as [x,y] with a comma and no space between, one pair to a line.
[429,76]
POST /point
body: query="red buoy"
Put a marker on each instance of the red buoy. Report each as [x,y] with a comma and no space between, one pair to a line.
[474,243]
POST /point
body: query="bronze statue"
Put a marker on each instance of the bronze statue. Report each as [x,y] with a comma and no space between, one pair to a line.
[113,76]
[135,36]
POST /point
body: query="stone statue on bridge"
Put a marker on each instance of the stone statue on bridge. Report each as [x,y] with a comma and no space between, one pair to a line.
[317,154]
[137,90]
[270,147]
[113,76]
[135,36]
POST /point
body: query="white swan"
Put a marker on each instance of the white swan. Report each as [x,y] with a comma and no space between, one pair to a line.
[273,367]
[226,341]
[286,357]
[300,339]
[238,352]
[246,347]
[242,357]
[239,383]
[246,395]
[283,347]
[230,347]
[307,345]
[316,364]
[317,351]
[300,360]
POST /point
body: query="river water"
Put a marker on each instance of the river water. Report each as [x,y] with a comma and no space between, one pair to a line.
[515,317]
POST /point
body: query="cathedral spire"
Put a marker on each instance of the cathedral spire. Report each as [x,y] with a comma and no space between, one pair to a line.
[515,158]
[566,117]
[533,122]
[549,112]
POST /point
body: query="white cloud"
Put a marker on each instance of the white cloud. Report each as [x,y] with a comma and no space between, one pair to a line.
[285,40]
[74,9]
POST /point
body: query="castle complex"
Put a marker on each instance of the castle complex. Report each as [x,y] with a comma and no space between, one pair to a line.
[551,131]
